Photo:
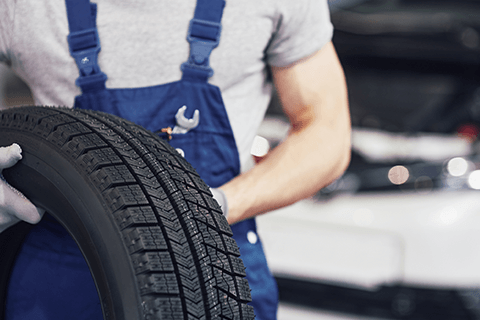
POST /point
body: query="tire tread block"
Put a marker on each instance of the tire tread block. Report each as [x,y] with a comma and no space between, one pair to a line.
[81,144]
[161,283]
[163,308]
[135,216]
[94,159]
[66,131]
[144,239]
[108,177]
[152,262]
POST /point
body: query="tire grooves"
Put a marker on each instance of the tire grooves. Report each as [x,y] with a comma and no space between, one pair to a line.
[233,273]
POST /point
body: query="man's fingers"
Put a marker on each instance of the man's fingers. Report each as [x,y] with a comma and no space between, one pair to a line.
[13,203]
[9,156]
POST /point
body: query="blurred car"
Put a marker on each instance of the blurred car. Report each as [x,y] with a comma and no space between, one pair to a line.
[398,235]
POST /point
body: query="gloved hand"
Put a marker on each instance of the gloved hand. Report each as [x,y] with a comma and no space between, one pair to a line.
[13,204]
[219,195]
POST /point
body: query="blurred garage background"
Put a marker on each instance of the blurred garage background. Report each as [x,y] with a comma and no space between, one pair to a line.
[398,235]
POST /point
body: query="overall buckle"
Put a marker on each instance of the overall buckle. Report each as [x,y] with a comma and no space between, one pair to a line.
[201,47]
[84,47]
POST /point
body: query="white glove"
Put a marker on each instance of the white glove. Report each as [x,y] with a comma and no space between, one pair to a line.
[14,206]
[219,195]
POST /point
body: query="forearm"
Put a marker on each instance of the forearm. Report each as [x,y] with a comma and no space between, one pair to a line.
[293,171]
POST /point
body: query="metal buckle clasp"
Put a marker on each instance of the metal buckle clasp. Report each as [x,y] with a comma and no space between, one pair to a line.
[87,59]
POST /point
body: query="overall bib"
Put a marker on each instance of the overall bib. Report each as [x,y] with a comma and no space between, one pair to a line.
[207,142]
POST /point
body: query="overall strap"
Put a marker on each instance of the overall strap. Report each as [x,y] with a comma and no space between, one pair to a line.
[84,44]
[203,36]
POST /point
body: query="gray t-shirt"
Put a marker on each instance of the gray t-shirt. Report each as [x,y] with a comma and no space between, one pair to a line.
[144,43]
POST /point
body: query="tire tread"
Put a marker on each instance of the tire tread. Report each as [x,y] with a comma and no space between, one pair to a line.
[186,264]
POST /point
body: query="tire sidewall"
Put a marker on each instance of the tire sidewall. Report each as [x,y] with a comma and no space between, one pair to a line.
[52,181]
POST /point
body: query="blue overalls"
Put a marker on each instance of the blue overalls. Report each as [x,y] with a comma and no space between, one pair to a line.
[208,144]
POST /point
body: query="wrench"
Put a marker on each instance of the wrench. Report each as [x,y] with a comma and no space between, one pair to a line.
[184,124]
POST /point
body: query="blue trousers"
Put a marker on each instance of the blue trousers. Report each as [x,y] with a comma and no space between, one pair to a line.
[49,272]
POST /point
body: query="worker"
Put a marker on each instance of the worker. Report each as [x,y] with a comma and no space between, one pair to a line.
[212,64]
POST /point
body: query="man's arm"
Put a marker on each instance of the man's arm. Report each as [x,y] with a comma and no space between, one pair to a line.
[317,150]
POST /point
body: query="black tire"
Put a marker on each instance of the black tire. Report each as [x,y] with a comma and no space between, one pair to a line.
[130,200]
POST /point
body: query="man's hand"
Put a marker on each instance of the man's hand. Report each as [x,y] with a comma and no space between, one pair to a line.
[317,150]
[13,204]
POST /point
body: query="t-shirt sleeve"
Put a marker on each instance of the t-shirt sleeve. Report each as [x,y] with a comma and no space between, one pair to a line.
[7,11]
[302,28]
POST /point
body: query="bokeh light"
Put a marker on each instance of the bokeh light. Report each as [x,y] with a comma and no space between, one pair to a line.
[398,175]
[457,166]
[474,180]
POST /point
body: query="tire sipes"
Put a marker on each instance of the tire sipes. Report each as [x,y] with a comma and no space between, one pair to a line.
[155,240]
